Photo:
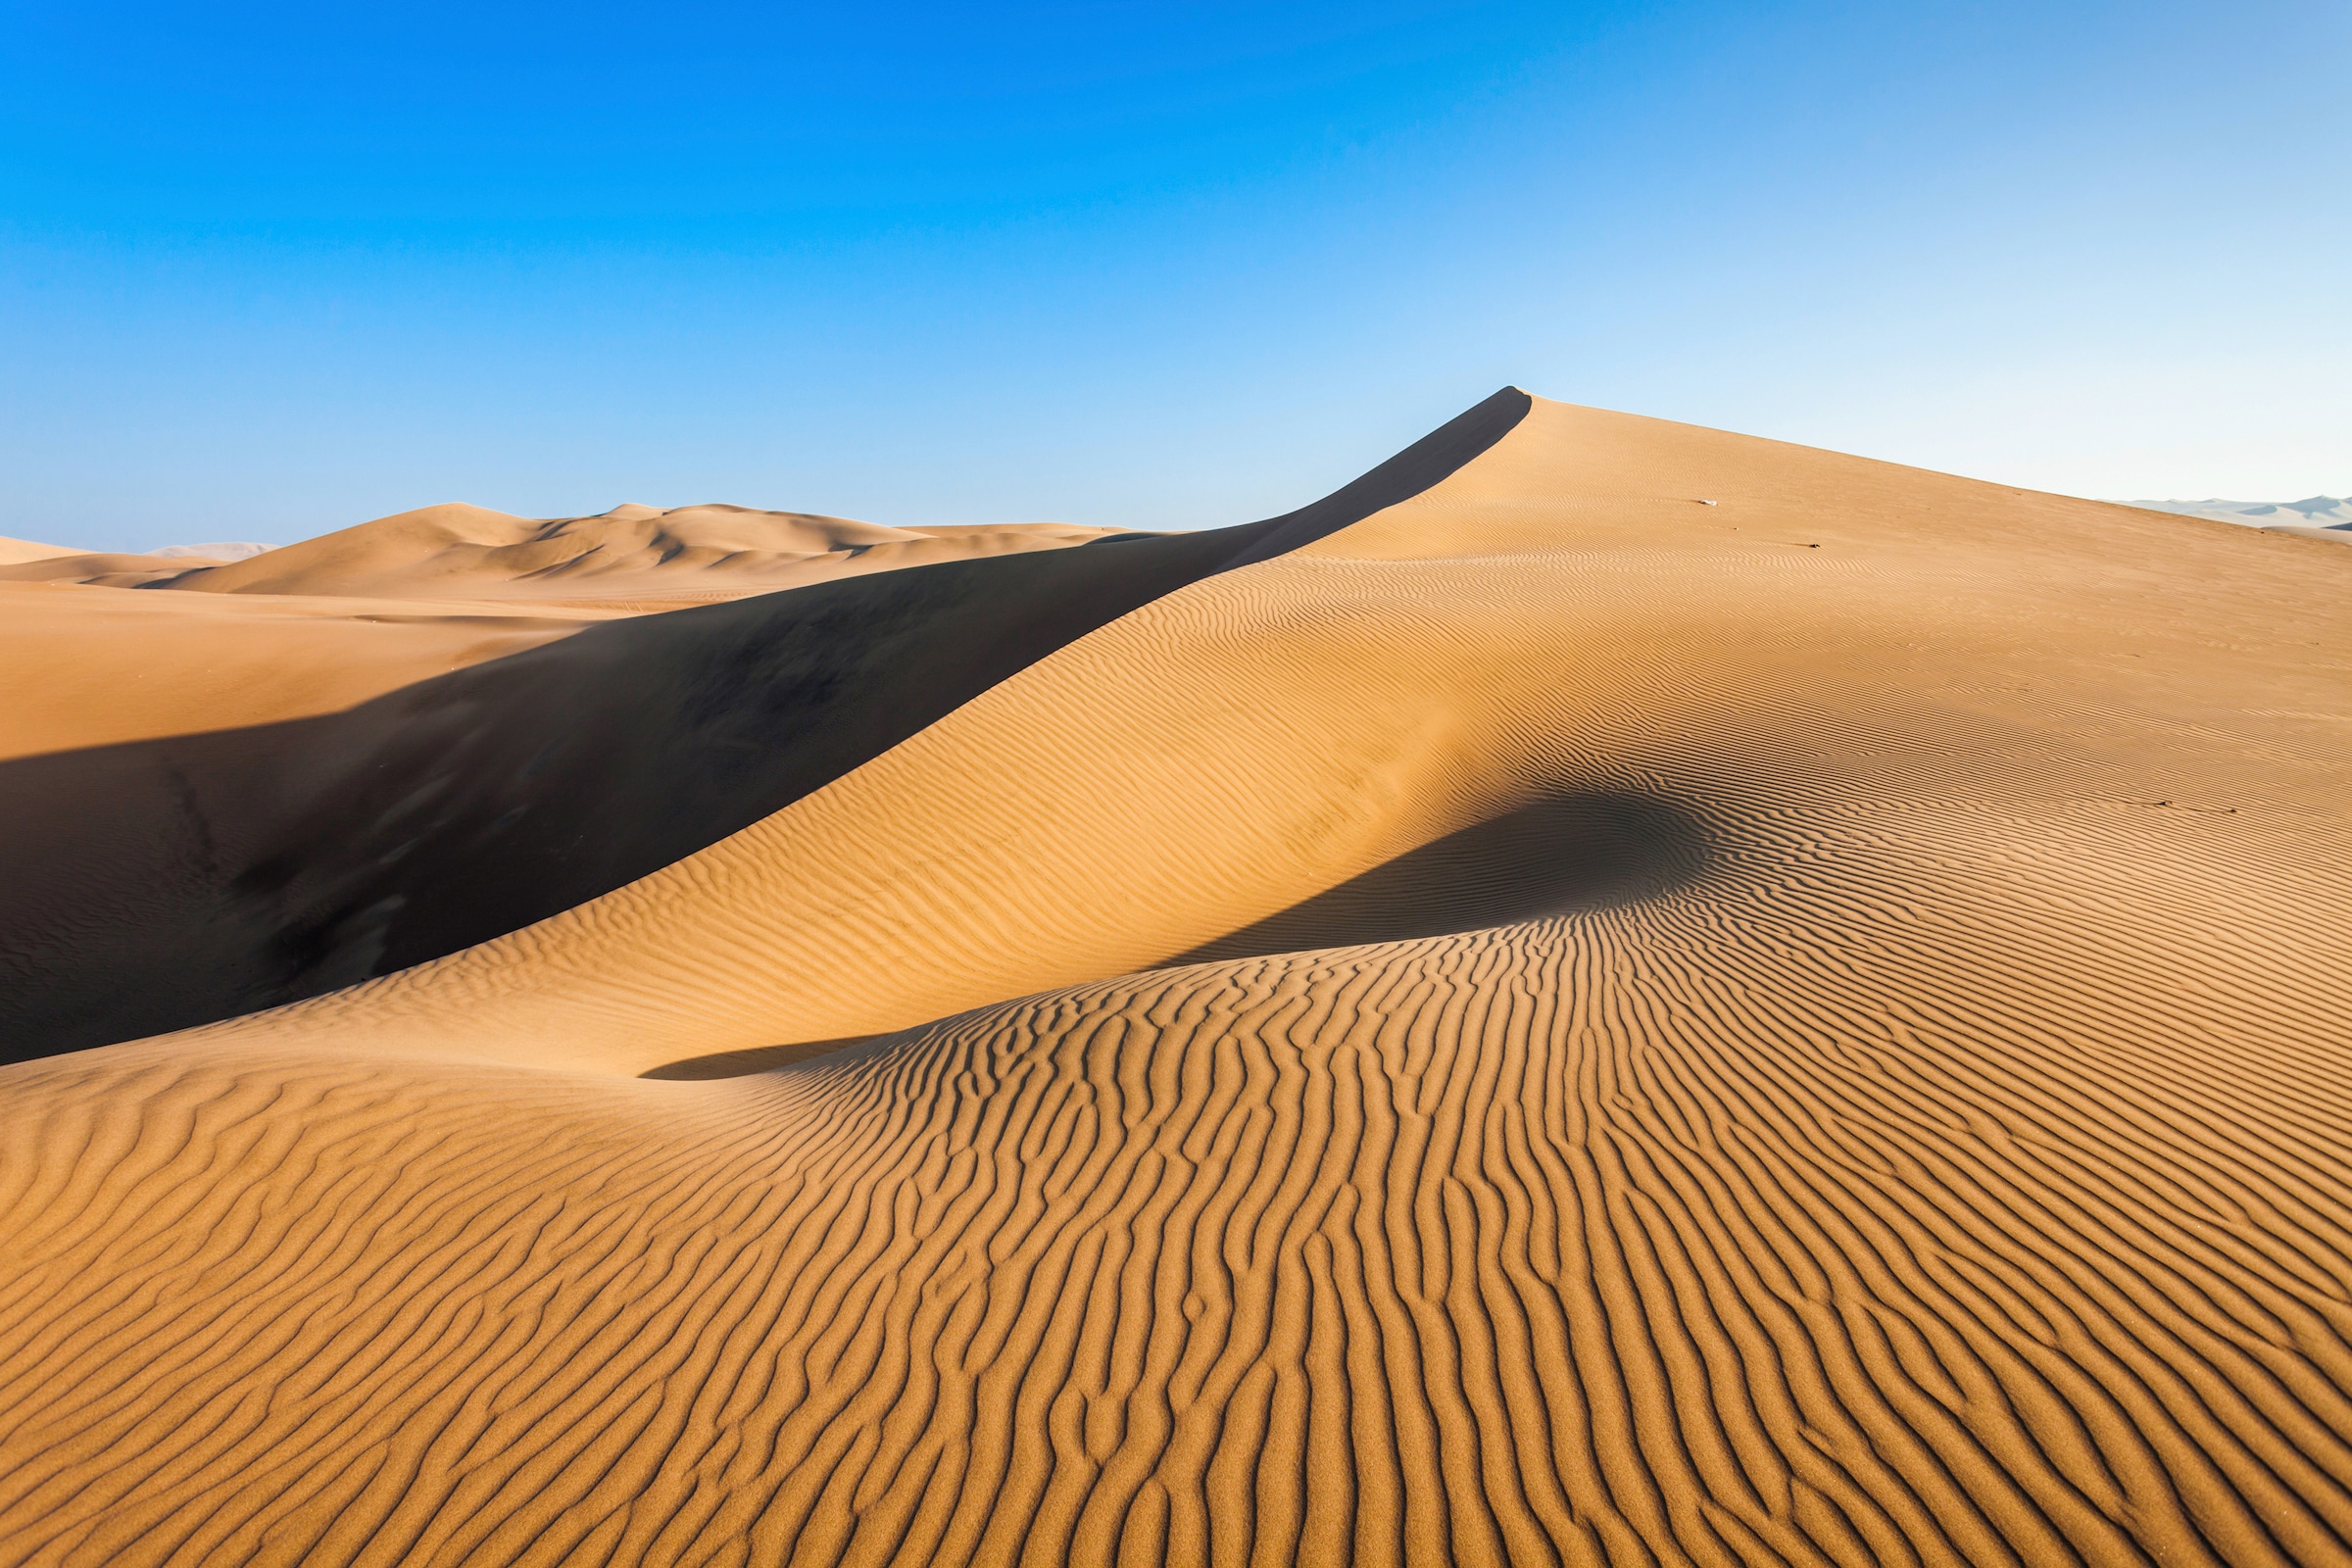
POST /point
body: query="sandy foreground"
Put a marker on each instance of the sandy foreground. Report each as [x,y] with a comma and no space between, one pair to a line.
[1612,993]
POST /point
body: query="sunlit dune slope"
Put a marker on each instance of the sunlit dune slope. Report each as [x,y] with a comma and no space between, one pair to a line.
[240,868]
[1557,1022]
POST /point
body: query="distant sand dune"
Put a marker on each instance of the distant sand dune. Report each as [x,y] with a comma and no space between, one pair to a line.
[654,558]
[222,551]
[457,551]
[1517,1019]
[2314,511]
[104,569]
[16,552]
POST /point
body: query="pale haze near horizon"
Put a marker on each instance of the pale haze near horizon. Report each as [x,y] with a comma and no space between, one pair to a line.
[264,273]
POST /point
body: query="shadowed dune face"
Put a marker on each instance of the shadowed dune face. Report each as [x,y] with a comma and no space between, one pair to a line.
[1801,1030]
[241,869]
[1553,855]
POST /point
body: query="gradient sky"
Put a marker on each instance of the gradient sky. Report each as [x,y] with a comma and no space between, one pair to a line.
[271,269]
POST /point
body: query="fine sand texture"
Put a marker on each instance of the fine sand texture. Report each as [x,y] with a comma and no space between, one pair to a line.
[1613,993]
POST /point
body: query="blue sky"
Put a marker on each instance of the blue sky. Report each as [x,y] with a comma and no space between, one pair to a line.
[267,271]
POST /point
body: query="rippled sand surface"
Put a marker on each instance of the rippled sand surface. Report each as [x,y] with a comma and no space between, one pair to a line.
[1537,1019]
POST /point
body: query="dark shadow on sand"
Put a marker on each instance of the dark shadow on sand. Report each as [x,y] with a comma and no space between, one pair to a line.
[753,1059]
[1557,855]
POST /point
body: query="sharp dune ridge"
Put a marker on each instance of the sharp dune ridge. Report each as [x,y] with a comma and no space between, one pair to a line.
[1509,1016]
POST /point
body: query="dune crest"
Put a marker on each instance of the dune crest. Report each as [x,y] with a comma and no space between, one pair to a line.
[1611,993]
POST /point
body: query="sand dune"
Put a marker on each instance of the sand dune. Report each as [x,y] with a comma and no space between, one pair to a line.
[100,571]
[1510,1017]
[688,553]
[16,552]
[241,869]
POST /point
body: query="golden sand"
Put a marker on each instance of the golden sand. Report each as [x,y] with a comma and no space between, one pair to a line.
[1550,1021]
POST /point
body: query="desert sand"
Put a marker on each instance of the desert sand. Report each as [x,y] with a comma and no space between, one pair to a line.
[633,556]
[1611,993]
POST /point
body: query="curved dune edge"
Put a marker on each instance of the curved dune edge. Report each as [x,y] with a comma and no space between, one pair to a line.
[1905,1118]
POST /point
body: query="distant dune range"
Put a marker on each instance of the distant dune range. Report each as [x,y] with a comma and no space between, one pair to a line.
[687,554]
[2328,517]
[1612,993]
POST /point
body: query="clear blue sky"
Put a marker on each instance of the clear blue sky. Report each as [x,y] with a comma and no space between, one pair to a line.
[268,270]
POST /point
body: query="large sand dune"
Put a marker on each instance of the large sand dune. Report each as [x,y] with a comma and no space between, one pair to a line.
[236,868]
[1515,1015]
